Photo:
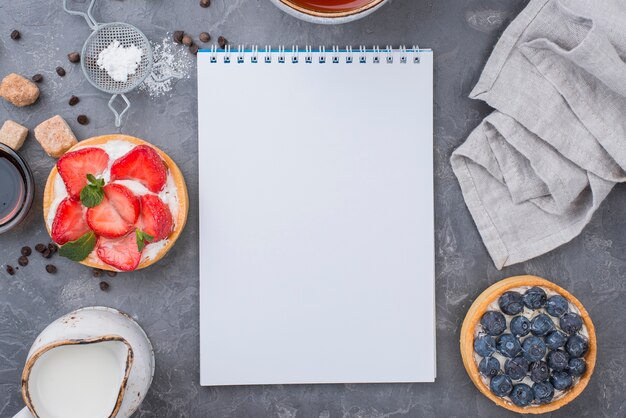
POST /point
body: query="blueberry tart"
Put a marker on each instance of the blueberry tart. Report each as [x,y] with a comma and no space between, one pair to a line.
[528,345]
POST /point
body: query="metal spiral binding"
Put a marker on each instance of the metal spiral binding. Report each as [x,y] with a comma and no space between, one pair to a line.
[387,55]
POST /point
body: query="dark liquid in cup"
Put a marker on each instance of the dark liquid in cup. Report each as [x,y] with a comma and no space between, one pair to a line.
[12,189]
[331,5]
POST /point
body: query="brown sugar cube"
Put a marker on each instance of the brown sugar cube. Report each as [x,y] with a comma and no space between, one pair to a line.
[55,136]
[19,90]
[13,135]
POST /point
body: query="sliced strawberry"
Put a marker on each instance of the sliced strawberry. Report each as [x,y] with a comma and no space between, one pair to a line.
[156,218]
[143,164]
[106,221]
[121,253]
[74,167]
[124,201]
[69,222]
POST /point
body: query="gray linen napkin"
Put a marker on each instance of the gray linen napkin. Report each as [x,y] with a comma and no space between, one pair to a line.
[536,169]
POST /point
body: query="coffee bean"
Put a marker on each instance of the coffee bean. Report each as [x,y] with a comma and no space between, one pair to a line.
[53,247]
[104,286]
[205,3]
[96,272]
[15,35]
[10,270]
[26,251]
[51,268]
[205,37]
[61,71]
[74,101]
[187,41]
[193,49]
[73,57]
[22,261]
[40,248]
[111,273]
[37,78]
[46,253]
[82,119]
[178,36]
[222,42]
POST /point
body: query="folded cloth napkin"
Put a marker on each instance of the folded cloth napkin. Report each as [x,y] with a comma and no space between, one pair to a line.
[537,168]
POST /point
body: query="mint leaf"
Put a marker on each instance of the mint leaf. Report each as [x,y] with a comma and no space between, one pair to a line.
[142,238]
[92,194]
[79,250]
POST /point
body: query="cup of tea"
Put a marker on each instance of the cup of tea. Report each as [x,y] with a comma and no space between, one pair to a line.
[329,11]
[17,188]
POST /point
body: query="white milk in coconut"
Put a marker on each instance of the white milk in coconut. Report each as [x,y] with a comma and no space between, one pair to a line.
[78,381]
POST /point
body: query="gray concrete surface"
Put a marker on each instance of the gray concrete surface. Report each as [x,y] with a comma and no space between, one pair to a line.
[164,298]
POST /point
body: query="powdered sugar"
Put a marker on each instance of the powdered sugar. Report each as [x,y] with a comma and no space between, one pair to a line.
[169,59]
[119,62]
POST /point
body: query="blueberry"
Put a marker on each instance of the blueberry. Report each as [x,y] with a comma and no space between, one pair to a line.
[541,325]
[511,303]
[508,345]
[543,392]
[577,367]
[489,366]
[522,395]
[577,345]
[561,380]
[558,360]
[557,305]
[539,371]
[501,385]
[516,368]
[493,322]
[485,345]
[571,322]
[520,326]
[555,339]
[534,348]
[534,298]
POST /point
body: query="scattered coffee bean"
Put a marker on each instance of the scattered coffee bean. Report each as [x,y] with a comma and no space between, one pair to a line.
[61,71]
[73,57]
[111,273]
[222,42]
[74,101]
[82,119]
[46,253]
[40,248]
[187,41]
[193,49]
[104,286]
[10,270]
[96,272]
[37,78]
[205,37]
[22,261]
[15,35]
[205,3]
[51,269]
[53,247]
[178,36]
[26,251]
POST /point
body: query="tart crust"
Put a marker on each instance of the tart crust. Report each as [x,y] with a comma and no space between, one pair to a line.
[472,319]
[179,181]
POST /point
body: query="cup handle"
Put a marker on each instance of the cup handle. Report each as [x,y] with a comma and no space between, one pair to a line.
[24,413]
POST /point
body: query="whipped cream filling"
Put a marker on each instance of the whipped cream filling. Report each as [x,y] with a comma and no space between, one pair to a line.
[116,149]
[530,314]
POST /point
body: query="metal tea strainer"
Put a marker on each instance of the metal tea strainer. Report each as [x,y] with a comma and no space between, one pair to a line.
[102,36]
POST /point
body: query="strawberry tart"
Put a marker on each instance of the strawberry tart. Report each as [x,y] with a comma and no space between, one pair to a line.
[115,202]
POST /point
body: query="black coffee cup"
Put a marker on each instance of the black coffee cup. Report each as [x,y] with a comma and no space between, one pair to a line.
[17,188]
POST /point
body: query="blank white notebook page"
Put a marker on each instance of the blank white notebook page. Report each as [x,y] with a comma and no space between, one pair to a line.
[316,220]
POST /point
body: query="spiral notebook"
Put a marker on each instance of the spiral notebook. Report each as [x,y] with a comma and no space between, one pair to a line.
[316,216]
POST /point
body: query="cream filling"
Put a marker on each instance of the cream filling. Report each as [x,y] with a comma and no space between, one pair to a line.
[530,314]
[115,149]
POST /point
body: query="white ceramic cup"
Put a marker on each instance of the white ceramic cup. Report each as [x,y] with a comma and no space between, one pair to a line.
[329,18]
[103,345]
